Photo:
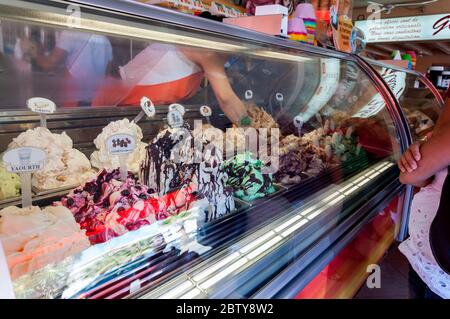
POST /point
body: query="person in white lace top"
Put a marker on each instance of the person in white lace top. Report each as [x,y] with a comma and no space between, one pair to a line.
[424,165]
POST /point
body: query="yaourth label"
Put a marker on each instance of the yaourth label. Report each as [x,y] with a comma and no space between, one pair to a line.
[24,159]
[121,144]
[41,105]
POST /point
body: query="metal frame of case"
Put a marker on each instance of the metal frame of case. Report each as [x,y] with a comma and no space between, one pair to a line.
[294,277]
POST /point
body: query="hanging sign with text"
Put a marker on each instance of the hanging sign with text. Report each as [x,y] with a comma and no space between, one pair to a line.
[419,28]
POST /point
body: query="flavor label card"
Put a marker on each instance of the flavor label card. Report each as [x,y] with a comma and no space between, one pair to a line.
[148,107]
[41,105]
[121,144]
[177,107]
[205,110]
[24,159]
[175,119]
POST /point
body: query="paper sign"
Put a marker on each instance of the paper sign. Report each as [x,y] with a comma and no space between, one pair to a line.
[147,106]
[175,119]
[279,97]
[205,110]
[121,144]
[24,159]
[298,122]
[248,94]
[177,107]
[41,105]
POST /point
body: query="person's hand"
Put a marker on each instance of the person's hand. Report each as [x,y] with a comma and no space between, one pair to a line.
[409,160]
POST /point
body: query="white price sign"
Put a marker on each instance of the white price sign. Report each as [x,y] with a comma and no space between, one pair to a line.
[121,144]
[177,107]
[41,105]
[205,110]
[24,159]
[298,121]
[175,119]
[147,106]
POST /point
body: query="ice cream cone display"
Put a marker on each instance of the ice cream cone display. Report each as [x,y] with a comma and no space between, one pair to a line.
[305,11]
[297,30]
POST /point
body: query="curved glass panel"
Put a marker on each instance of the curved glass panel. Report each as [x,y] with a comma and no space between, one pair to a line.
[418,102]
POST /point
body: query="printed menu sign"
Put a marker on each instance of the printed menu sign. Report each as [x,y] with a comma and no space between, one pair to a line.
[121,144]
[416,28]
[341,35]
[24,159]
[41,105]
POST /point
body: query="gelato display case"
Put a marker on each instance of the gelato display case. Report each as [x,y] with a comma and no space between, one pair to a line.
[185,158]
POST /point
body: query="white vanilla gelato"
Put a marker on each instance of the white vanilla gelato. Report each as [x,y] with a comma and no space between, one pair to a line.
[64,165]
[103,159]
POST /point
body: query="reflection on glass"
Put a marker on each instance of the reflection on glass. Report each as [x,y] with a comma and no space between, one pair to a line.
[417,101]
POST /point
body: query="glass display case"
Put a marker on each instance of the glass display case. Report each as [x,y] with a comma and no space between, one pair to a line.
[257,159]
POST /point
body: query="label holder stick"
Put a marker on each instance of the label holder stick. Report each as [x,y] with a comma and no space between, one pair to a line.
[25,181]
[43,119]
[123,166]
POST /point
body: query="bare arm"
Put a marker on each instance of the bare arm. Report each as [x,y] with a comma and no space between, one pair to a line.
[212,65]
[48,63]
[409,160]
[435,155]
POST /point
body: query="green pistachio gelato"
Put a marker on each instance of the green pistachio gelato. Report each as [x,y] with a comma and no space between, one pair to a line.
[9,184]
[246,178]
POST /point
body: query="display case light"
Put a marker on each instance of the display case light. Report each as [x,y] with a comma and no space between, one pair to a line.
[264,247]
[351,190]
[223,263]
[288,223]
[336,200]
[294,228]
[228,270]
[364,182]
[308,210]
[257,242]
[173,293]
[316,213]
[191,294]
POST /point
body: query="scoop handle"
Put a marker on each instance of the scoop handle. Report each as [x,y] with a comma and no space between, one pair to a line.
[139,117]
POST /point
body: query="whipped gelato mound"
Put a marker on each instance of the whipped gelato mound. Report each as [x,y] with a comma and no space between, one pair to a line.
[64,165]
[33,238]
[103,159]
